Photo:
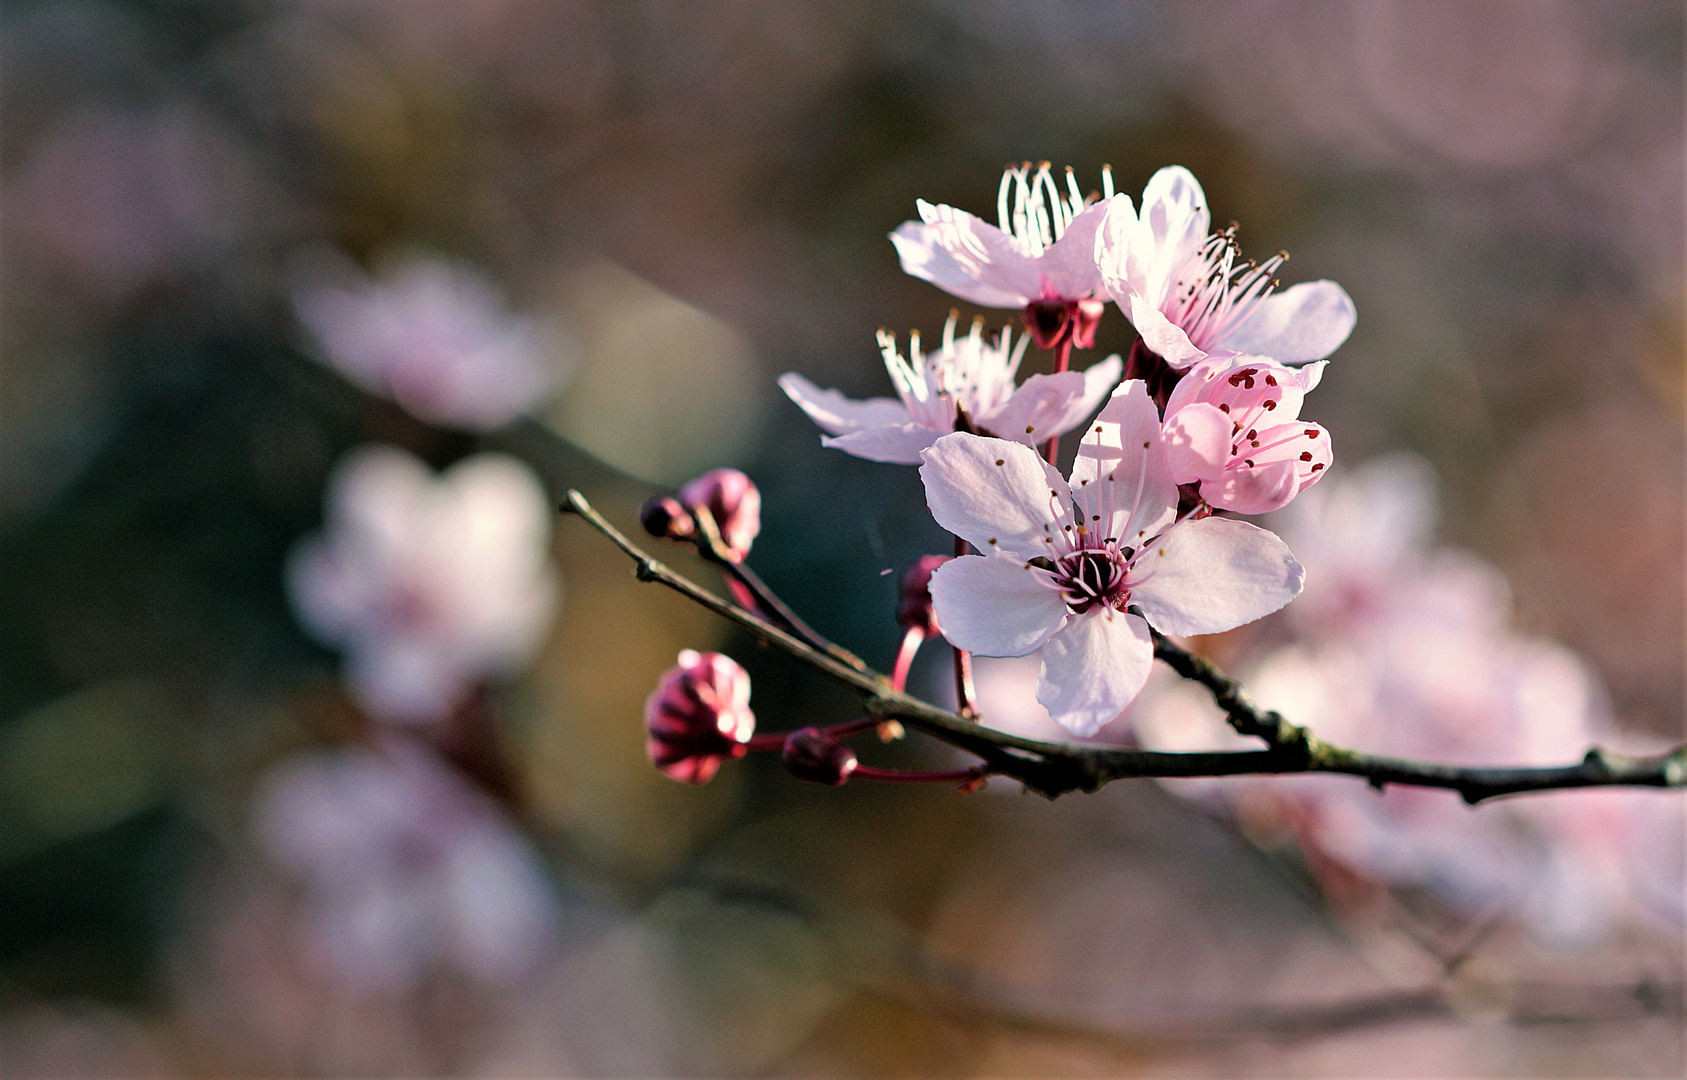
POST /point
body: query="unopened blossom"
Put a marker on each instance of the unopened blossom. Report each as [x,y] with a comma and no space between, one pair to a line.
[914,610]
[699,717]
[1232,426]
[1188,295]
[434,335]
[966,384]
[1064,560]
[811,754]
[427,584]
[734,501]
[1041,260]
[406,868]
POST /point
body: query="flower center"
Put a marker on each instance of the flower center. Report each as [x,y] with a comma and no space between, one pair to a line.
[1092,576]
[1214,294]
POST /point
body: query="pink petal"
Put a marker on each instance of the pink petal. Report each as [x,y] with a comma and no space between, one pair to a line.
[1068,267]
[966,257]
[1197,443]
[1256,489]
[995,494]
[1171,226]
[1120,479]
[1306,322]
[897,444]
[837,414]
[1093,668]
[1203,577]
[993,605]
[1160,334]
[1032,414]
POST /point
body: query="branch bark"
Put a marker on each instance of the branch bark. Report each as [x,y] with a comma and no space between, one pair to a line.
[1054,769]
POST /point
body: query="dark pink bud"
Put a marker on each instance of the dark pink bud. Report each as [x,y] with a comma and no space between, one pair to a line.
[664,516]
[811,754]
[699,716]
[913,608]
[733,501]
[1046,321]
[1086,316]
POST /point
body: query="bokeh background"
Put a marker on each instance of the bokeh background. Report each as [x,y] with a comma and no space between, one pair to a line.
[690,198]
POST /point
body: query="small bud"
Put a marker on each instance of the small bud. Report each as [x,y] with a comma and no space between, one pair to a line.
[811,754]
[664,516]
[698,716]
[1086,316]
[913,607]
[733,501]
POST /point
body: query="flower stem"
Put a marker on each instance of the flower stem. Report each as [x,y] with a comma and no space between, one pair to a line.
[898,776]
[911,642]
[966,697]
[1062,357]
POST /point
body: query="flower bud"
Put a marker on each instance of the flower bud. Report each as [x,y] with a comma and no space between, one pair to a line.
[913,607]
[699,716]
[733,501]
[811,754]
[663,516]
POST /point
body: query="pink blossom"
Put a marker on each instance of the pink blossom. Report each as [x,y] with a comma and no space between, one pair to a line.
[1232,427]
[434,335]
[969,380]
[1040,260]
[1064,560]
[406,868]
[733,500]
[428,584]
[699,717]
[1187,296]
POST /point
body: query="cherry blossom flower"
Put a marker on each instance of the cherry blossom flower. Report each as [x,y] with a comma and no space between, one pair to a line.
[406,868]
[967,381]
[434,335]
[1041,260]
[1063,561]
[428,584]
[1232,427]
[1186,294]
[699,717]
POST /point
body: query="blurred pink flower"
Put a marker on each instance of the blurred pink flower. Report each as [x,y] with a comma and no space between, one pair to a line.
[1186,295]
[1232,427]
[1041,260]
[698,717]
[428,584]
[406,868]
[969,379]
[435,336]
[1063,561]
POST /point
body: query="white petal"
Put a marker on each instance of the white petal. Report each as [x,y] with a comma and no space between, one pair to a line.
[1068,267]
[1203,577]
[1054,404]
[1120,479]
[898,444]
[839,415]
[1197,442]
[966,257]
[994,606]
[1093,668]
[1306,322]
[1112,249]
[1172,224]
[1164,337]
[995,494]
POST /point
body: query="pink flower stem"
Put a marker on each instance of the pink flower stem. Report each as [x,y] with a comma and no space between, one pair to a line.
[898,776]
[775,740]
[966,698]
[911,642]
[1062,357]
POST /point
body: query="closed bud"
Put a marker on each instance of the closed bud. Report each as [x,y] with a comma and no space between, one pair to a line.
[699,716]
[663,516]
[811,754]
[733,501]
[913,607]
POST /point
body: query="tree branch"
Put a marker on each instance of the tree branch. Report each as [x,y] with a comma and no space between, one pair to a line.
[1053,769]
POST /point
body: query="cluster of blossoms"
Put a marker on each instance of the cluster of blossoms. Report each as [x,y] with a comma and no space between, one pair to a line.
[1406,649]
[1082,566]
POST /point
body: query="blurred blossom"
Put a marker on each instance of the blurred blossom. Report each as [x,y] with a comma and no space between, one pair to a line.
[436,336]
[699,717]
[406,868]
[78,1038]
[1407,651]
[428,584]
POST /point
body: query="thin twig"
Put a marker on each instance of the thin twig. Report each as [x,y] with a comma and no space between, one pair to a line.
[1053,769]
